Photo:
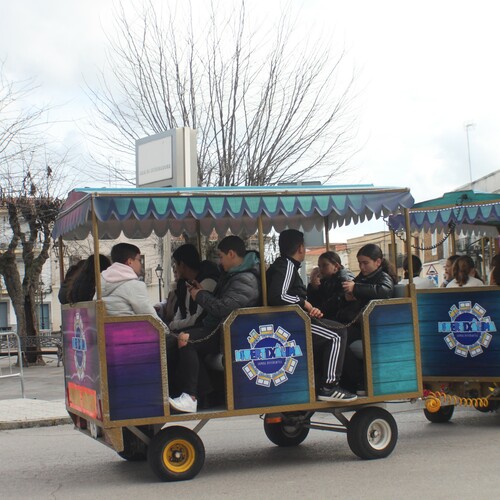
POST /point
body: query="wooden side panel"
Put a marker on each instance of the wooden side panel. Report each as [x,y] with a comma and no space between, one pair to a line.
[135,384]
[393,350]
[458,332]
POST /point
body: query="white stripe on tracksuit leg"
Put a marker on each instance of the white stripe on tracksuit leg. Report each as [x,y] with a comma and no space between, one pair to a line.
[334,352]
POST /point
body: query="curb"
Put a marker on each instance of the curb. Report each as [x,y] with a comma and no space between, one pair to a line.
[43,422]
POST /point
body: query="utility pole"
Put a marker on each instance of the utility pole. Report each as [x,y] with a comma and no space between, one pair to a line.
[467,127]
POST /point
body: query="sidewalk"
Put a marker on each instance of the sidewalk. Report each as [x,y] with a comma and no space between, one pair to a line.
[43,404]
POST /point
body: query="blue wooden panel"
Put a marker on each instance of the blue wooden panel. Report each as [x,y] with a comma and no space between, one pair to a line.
[141,373]
[135,401]
[269,370]
[465,351]
[395,388]
[396,351]
[394,366]
[134,370]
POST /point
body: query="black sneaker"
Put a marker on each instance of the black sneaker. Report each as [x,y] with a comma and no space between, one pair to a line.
[335,393]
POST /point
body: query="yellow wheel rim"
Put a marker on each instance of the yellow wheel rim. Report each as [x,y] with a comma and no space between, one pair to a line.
[179,456]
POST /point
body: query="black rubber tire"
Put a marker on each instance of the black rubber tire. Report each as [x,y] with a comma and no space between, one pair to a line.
[134,449]
[283,434]
[492,406]
[176,454]
[372,433]
[441,416]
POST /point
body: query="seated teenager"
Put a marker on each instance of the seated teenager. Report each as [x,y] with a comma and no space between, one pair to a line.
[418,281]
[376,280]
[463,273]
[190,268]
[122,292]
[448,270]
[285,287]
[333,274]
[313,287]
[238,286]
[83,288]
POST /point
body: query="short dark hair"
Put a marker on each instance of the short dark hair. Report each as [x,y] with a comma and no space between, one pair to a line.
[121,252]
[416,265]
[234,243]
[290,241]
[187,254]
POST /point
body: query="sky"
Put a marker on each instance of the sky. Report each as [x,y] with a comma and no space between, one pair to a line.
[425,70]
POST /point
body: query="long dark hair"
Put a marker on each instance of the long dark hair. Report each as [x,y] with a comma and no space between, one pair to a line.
[374,252]
[332,257]
[461,269]
[83,288]
[495,273]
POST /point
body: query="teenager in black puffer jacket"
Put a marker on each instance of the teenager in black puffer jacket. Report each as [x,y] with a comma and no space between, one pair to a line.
[376,280]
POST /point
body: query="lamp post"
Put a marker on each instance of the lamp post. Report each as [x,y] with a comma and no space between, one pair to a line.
[42,319]
[159,275]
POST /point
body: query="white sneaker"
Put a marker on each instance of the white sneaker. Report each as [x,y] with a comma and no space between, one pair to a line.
[184,403]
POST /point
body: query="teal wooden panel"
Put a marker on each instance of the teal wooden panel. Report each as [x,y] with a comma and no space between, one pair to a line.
[396,351]
[395,388]
[393,349]
[388,334]
[394,370]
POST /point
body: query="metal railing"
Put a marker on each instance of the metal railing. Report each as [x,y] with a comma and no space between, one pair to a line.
[13,348]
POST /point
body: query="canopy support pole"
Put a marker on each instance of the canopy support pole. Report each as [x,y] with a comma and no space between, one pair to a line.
[97,267]
[327,236]
[394,251]
[453,243]
[483,264]
[408,247]
[60,245]
[262,261]
[198,239]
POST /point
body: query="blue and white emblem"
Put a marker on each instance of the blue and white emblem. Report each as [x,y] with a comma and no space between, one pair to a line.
[79,345]
[270,357]
[469,330]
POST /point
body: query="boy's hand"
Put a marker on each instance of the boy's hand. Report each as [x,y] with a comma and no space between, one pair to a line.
[193,287]
[182,339]
[314,312]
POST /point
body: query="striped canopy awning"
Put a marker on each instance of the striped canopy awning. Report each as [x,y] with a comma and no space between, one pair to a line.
[139,212]
[461,208]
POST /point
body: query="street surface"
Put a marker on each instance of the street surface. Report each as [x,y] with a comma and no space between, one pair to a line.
[458,460]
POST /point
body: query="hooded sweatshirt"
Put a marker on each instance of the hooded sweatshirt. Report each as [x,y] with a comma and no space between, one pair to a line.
[122,292]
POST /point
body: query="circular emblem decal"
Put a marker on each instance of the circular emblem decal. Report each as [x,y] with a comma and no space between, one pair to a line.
[469,330]
[270,357]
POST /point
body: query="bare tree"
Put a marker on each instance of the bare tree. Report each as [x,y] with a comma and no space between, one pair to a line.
[30,179]
[267,109]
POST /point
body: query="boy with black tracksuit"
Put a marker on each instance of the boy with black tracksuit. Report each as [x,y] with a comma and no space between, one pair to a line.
[285,287]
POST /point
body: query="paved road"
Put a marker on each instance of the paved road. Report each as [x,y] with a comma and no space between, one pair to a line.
[456,460]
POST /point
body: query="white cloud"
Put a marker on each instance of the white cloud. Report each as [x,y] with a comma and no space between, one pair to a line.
[426,69]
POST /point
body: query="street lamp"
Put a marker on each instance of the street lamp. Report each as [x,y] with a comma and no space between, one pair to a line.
[43,294]
[159,275]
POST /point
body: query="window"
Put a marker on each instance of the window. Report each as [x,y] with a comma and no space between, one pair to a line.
[44,316]
[4,320]
[434,242]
